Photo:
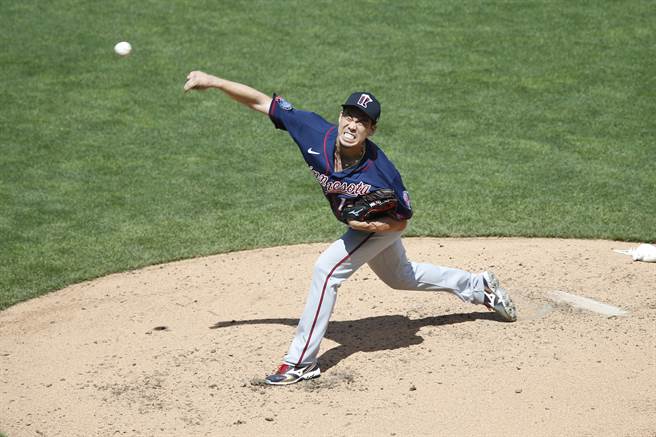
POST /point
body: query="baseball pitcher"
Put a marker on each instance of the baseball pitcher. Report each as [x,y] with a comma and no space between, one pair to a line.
[365,192]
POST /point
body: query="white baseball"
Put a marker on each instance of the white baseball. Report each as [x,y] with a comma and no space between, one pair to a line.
[123,48]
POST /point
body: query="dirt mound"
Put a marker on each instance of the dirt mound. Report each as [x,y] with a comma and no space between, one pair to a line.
[181,349]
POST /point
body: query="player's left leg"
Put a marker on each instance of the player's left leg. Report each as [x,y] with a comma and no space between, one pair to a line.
[335,265]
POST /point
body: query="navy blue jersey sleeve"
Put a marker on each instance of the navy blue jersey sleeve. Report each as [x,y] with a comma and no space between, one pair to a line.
[313,135]
[276,114]
[404,208]
[285,117]
[393,179]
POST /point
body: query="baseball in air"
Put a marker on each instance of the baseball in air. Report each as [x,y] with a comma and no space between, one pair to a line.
[123,48]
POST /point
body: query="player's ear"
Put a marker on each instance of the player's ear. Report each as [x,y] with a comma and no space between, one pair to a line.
[372,129]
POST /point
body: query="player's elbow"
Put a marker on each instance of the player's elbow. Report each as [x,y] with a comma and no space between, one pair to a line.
[261,103]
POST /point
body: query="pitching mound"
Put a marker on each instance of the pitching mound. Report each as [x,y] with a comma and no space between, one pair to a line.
[181,349]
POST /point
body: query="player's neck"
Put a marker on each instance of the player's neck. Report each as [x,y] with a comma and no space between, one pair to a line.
[353,152]
[346,157]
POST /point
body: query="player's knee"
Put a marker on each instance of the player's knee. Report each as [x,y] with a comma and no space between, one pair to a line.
[321,268]
[402,279]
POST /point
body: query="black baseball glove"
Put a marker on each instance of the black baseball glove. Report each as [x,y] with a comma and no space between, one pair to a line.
[369,206]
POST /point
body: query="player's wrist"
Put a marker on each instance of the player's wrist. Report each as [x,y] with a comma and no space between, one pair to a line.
[217,82]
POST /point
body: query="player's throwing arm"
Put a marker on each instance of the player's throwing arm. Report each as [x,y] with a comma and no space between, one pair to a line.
[250,97]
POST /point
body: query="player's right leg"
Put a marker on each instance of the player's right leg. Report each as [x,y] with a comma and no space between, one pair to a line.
[393,267]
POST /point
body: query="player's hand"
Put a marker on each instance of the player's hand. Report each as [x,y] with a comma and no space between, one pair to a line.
[361,226]
[385,224]
[197,80]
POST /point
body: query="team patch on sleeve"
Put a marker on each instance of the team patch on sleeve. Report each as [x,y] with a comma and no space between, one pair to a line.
[284,104]
[406,199]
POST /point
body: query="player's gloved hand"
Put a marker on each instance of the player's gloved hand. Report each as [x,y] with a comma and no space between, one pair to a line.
[369,206]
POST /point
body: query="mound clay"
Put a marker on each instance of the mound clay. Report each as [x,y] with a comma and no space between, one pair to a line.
[181,349]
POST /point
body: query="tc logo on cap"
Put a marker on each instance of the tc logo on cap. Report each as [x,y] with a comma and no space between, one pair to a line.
[364,100]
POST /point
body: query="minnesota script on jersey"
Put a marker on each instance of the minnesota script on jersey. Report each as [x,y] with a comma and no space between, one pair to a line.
[316,139]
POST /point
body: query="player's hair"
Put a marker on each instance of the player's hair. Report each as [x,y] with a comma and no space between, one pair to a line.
[352,110]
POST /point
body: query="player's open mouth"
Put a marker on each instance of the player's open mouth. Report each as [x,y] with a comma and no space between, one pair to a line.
[348,136]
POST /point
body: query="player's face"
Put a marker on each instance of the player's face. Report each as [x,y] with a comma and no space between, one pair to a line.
[354,127]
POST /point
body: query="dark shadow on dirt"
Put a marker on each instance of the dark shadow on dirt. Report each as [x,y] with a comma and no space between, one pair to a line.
[370,334]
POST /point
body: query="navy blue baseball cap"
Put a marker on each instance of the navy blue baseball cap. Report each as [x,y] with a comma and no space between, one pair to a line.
[365,102]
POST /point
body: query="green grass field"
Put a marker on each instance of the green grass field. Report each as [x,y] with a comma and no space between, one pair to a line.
[505,118]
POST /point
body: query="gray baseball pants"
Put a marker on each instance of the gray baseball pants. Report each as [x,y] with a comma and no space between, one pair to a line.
[385,254]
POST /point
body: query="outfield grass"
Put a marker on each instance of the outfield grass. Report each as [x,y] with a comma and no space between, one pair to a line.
[505,118]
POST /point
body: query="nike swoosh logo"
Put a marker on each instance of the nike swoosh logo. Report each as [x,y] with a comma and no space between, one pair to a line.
[312,152]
